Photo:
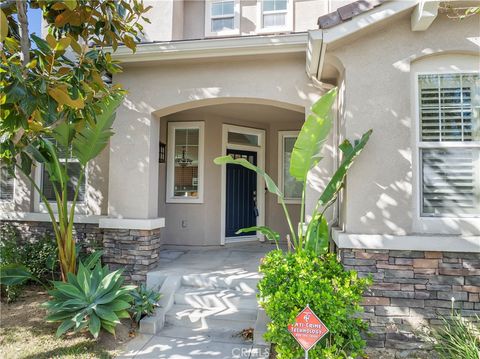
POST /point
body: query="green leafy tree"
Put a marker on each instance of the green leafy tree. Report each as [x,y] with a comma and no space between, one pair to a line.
[56,98]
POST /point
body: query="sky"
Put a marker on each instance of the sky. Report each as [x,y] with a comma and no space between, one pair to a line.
[34,21]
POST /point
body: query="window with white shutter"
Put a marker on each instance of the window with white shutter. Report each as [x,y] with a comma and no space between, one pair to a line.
[6,184]
[449,144]
[73,172]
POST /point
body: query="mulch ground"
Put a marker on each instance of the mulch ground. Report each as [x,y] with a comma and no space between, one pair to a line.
[25,334]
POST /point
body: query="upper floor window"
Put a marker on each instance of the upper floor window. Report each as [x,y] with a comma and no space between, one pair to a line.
[291,188]
[222,17]
[6,184]
[449,144]
[275,15]
[185,162]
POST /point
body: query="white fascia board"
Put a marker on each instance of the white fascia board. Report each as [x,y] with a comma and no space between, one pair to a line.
[364,21]
[424,14]
[45,217]
[348,28]
[418,242]
[314,52]
[195,49]
[132,223]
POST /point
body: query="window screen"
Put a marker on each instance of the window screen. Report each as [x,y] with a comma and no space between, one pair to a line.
[6,184]
[73,172]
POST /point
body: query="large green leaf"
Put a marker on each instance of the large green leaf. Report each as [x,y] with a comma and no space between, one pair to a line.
[63,134]
[349,154]
[317,237]
[66,325]
[13,274]
[94,326]
[105,313]
[69,290]
[84,278]
[267,232]
[94,137]
[92,260]
[313,135]
[117,305]
[271,186]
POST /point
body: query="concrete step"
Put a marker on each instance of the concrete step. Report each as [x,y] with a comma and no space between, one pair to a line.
[215,298]
[160,347]
[217,334]
[211,318]
[246,282]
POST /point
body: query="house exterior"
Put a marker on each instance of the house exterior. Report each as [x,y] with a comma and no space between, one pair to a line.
[238,77]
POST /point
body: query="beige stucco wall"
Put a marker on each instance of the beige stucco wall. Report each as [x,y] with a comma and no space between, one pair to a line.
[203,219]
[157,91]
[379,70]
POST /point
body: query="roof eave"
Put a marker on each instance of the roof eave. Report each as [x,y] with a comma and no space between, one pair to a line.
[221,47]
[319,40]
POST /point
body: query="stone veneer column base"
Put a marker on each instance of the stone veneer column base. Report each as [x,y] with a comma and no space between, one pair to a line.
[136,251]
[410,290]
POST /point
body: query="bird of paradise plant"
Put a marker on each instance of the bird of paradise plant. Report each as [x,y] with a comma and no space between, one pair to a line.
[306,155]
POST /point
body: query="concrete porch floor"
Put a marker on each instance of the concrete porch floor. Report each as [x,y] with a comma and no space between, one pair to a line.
[218,287]
[243,257]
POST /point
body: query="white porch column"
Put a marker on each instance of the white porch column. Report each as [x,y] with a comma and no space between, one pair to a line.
[133,172]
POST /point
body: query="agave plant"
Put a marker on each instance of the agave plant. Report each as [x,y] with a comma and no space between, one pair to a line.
[144,302]
[92,299]
[305,156]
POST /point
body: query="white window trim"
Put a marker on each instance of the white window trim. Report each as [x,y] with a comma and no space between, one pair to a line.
[288,27]
[172,126]
[208,19]
[260,149]
[444,223]
[281,136]
[39,206]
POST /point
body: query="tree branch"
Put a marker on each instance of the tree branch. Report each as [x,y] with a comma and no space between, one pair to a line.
[24,38]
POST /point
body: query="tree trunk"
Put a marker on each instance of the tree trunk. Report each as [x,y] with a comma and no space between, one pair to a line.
[24,38]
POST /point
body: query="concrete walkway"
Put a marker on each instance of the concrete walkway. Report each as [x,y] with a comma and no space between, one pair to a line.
[215,299]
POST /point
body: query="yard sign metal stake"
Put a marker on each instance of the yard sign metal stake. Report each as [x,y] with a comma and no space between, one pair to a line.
[308,329]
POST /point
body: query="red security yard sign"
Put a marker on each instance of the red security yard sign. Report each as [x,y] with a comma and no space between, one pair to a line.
[308,329]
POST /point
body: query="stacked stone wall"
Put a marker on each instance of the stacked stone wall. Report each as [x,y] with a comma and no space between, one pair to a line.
[411,291]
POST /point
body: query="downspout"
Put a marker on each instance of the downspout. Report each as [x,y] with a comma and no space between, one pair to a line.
[316,50]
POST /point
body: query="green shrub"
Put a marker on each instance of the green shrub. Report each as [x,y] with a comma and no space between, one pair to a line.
[39,257]
[457,337]
[293,280]
[144,302]
[92,299]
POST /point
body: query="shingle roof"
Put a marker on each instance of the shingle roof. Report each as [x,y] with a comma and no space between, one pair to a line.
[347,12]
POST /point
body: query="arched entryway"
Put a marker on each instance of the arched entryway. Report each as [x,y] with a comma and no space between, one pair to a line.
[203,204]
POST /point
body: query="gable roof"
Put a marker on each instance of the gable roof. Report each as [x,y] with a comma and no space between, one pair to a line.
[347,12]
[356,19]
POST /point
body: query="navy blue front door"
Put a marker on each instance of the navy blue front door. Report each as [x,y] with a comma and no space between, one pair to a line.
[241,208]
